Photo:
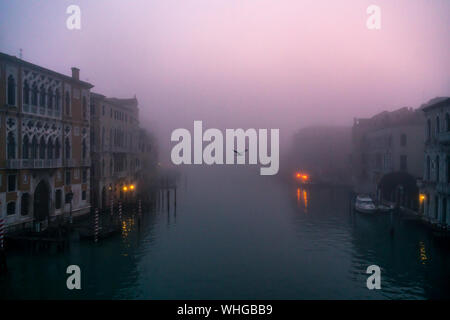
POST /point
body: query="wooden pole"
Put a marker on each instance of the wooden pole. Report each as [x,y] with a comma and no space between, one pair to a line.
[2,233]
[96,226]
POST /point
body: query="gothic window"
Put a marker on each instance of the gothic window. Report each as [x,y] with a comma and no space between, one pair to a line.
[67,146]
[25,147]
[34,95]
[57,100]
[67,101]
[11,90]
[34,148]
[11,146]
[50,99]
[42,148]
[57,149]
[26,93]
[42,96]
[50,149]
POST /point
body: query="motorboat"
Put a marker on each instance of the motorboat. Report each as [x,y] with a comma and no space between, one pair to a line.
[365,204]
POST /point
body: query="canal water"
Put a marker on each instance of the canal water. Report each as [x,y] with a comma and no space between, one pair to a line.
[238,235]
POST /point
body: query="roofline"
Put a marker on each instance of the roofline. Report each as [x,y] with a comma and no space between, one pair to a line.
[42,69]
[437,104]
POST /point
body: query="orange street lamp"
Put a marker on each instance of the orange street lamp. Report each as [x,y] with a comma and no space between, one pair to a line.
[125,188]
[132,187]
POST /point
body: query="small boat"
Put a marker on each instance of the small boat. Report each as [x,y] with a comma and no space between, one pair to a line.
[365,204]
[385,208]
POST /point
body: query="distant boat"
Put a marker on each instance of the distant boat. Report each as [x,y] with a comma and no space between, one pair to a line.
[385,208]
[364,204]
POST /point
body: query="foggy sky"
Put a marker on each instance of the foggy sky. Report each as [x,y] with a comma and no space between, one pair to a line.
[242,63]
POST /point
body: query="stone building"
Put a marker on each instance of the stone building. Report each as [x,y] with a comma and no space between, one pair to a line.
[44,139]
[435,186]
[115,138]
[387,155]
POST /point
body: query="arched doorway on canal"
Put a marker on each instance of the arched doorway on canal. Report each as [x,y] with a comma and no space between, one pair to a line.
[400,188]
[41,201]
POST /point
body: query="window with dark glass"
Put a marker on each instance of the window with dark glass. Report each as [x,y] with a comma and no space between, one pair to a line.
[26,92]
[34,95]
[11,90]
[25,204]
[12,182]
[11,208]
[68,178]
[67,103]
[42,96]
[11,146]
[58,199]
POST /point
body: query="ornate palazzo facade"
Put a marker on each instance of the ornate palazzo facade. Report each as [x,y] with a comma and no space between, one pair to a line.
[44,143]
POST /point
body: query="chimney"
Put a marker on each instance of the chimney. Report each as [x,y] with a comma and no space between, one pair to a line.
[75,73]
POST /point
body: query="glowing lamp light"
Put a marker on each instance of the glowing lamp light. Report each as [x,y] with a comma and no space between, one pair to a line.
[298,175]
[305,177]
[125,188]
[421,197]
[132,187]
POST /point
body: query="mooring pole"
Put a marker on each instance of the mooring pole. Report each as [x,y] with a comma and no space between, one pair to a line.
[2,233]
[120,211]
[96,226]
[168,199]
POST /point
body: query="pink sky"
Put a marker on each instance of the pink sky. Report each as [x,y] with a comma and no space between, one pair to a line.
[253,63]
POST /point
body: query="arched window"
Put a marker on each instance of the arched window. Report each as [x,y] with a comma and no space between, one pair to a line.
[437,169]
[84,149]
[11,208]
[67,146]
[447,122]
[57,149]
[42,146]
[448,168]
[25,204]
[84,108]
[428,167]
[67,102]
[42,96]
[25,147]
[50,149]
[57,98]
[438,125]
[34,95]
[11,90]
[26,93]
[11,146]
[50,98]
[34,148]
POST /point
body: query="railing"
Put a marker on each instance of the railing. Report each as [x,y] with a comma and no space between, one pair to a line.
[33,163]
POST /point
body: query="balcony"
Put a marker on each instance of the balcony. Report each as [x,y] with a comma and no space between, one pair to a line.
[33,163]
